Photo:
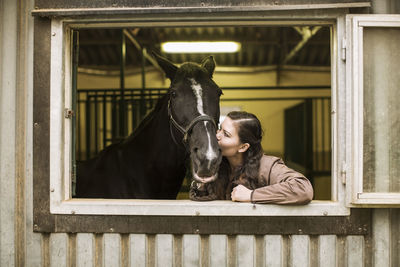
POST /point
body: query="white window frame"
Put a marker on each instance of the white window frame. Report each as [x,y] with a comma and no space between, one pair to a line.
[355,25]
[61,201]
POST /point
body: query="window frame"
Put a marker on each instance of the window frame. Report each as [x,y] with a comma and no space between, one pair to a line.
[60,134]
[354,38]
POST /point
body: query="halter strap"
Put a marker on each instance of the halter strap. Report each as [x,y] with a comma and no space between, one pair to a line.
[186,131]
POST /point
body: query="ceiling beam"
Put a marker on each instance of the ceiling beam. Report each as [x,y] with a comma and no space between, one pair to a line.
[306,32]
[131,37]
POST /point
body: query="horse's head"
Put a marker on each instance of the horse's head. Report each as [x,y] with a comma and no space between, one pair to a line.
[194,111]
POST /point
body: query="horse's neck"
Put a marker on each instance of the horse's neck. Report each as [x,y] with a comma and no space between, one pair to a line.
[164,124]
[162,142]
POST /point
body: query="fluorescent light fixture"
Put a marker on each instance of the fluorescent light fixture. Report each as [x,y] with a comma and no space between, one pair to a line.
[200,47]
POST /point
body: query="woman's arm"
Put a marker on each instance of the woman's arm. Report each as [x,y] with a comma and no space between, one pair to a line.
[286,186]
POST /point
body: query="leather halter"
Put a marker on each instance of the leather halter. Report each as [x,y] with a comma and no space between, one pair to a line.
[186,131]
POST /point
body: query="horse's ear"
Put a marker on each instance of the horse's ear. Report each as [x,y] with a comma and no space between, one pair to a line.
[168,67]
[209,64]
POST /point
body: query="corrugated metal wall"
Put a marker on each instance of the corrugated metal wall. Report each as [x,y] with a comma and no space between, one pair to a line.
[194,250]
[381,248]
[20,246]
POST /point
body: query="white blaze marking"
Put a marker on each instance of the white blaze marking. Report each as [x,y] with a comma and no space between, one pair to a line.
[198,92]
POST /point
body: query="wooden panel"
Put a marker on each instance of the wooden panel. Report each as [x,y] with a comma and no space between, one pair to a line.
[381,235]
[231,251]
[259,251]
[327,251]
[273,250]
[341,251]
[204,250]
[355,249]
[98,250]
[150,250]
[137,249]
[71,249]
[191,250]
[218,253]
[84,250]
[395,236]
[245,250]
[300,251]
[164,247]
[186,6]
[358,223]
[45,247]
[23,137]
[58,250]
[178,250]
[33,249]
[313,251]
[125,250]
[41,105]
[112,250]
[8,55]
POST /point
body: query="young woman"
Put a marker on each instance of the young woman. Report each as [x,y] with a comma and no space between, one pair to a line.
[246,174]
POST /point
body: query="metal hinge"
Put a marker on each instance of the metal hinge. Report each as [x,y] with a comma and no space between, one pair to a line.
[343,172]
[68,113]
[343,50]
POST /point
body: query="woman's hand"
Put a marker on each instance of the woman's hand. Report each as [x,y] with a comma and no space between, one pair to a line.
[241,193]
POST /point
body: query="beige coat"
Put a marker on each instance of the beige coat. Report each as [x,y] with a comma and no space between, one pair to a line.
[283,185]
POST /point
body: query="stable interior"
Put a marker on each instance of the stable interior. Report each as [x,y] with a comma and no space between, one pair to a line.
[281,74]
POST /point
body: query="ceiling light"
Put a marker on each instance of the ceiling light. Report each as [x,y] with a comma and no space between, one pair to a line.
[200,47]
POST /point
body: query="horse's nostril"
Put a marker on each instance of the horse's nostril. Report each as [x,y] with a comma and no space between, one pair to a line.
[195,149]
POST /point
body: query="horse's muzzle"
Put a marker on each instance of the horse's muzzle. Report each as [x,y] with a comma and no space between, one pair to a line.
[204,180]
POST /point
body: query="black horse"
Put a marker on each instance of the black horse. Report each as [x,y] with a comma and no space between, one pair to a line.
[150,164]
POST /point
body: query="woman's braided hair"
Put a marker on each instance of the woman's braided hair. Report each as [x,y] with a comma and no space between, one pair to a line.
[249,131]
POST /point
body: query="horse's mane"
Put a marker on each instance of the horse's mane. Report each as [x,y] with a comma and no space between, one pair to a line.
[148,118]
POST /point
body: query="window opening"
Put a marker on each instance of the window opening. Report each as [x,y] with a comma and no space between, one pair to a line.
[282,74]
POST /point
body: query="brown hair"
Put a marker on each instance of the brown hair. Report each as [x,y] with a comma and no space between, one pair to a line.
[249,131]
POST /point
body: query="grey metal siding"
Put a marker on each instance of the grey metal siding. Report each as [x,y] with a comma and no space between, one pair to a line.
[220,250]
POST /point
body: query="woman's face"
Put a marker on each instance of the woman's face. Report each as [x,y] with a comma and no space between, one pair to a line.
[228,138]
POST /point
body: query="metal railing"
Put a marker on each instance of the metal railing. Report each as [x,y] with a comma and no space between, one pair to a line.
[104,116]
